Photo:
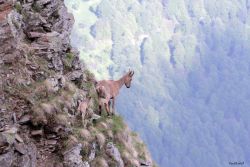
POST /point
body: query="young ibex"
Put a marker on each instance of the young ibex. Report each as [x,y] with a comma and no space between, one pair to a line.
[108,90]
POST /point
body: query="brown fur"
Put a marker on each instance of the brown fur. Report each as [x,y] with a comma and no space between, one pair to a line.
[82,108]
[108,90]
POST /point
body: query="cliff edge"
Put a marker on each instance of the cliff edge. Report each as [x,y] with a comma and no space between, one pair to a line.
[42,84]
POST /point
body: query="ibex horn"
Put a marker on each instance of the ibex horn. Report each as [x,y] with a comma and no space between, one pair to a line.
[131,73]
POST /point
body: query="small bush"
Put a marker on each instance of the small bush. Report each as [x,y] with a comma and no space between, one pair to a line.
[87,85]
[36,7]
[70,56]
[18,7]
[89,75]
[67,61]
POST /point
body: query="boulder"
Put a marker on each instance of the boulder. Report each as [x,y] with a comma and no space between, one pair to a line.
[145,162]
[7,159]
[92,152]
[24,119]
[72,157]
[20,147]
[75,75]
[30,157]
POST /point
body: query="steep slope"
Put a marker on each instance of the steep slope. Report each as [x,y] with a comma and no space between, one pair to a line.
[42,85]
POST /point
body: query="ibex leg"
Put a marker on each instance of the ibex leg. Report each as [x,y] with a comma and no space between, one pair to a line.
[113,106]
[107,108]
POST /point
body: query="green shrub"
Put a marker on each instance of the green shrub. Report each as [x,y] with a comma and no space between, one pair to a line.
[89,75]
[36,7]
[67,61]
[18,7]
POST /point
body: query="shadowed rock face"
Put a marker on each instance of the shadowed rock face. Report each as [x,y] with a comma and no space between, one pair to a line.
[25,33]
[42,84]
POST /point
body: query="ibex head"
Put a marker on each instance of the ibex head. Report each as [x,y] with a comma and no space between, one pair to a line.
[128,78]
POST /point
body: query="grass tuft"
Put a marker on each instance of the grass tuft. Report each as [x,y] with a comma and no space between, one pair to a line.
[67,61]
[118,124]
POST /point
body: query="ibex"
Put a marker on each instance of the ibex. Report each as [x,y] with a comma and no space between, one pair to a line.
[108,90]
[82,110]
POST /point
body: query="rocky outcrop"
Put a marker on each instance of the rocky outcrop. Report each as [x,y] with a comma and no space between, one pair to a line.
[48,101]
[114,153]
[73,158]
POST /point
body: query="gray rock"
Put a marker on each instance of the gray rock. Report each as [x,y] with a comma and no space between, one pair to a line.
[52,84]
[77,64]
[35,34]
[30,157]
[94,117]
[9,58]
[72,157]
[114,153]
[15,22]
[8,136]
[37,133]
[42,2]
[50,8]
[51,136]
[51,142]
[74,75]
[24,161]
[144,162]
[20,147]
[18,138]
[32,152]
[7,159]
[11,130]
[24,119]
[92,152]
[33,23]
[65,22]
[57,63]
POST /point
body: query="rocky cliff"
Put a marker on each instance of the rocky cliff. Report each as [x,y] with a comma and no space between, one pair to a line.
[48,102]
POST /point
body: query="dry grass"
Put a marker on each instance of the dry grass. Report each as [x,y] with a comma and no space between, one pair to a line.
[38,117]
[99,162]
[70,142]
[85,135]
[100,139]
